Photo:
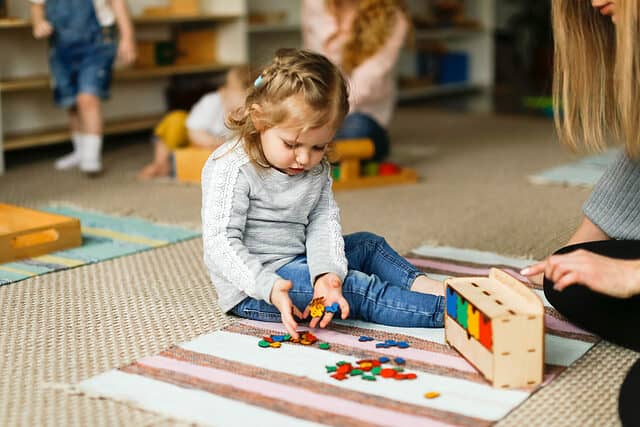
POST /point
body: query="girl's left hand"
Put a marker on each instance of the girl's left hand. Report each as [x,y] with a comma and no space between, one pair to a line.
[328,286]
[614,277]
[127,50]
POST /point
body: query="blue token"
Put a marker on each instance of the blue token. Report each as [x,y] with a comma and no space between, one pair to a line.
[277,338]
[390,342]
[365,338]
[383,359]
[382,345]
[399,360]
[333,308]
[403,344]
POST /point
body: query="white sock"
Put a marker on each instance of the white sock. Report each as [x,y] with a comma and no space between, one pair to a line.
[72,159]
[91,153]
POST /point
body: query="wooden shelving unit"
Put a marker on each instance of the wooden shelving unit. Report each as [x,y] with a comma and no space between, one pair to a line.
[42,82]
[24,94]
[50,136]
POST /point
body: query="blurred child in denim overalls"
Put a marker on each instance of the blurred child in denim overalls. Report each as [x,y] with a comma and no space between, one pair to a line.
[83,45]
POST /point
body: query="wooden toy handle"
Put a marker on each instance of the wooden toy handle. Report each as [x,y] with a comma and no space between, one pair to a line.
[354,149]
[35,238]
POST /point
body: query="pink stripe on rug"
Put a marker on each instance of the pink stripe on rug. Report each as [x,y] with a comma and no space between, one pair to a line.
[295,395]
[333,337]
[456,268]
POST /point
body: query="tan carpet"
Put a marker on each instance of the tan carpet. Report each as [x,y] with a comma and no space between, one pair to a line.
[64,327]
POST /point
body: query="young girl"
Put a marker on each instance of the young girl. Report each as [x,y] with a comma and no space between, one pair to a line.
[83,45]
[204,126]
[595,280]
[271,227]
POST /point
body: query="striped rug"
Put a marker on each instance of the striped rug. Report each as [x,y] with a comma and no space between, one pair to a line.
[225,379]
[103,237]
[584,172]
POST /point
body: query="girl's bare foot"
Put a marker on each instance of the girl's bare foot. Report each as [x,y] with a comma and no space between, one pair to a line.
[425,285]
[154,170]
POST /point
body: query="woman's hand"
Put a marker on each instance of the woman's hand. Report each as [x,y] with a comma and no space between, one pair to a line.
[328,286]
[280,298]
[609,276]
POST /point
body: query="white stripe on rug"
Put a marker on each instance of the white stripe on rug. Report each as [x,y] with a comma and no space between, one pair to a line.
[457,395]
[184,404]
[471,255]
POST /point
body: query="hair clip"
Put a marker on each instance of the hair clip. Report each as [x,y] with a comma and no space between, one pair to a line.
[258,81]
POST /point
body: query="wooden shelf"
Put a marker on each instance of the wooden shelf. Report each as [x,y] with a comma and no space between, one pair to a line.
[42,81]
[274,28]
[410,93]
[142,20]
[21,140]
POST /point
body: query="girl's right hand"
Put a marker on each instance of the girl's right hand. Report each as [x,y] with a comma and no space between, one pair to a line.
[280,298]
[42,29]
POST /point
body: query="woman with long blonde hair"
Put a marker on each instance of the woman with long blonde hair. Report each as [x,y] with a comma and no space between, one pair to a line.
[595,280]
[363,38]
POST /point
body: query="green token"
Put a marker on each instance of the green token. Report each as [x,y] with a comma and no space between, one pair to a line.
[340,363]
[335,172]
[370,169]
[376,370]
[355,372]
[263,344]
[287,337]
[369,377]
[331,368]
[398,369]
[324,345]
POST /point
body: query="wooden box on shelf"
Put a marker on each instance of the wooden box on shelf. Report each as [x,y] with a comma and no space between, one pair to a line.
[196,47]
[26,233]
[185,7]
[497,324]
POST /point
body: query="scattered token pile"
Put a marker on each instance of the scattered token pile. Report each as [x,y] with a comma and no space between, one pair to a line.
[306,338]
[385,344]
[369,369]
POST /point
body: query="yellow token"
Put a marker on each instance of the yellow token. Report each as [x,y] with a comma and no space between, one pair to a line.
[275,345]
[305,342]
[431,395]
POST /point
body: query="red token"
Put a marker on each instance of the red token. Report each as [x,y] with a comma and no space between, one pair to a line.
[388,373]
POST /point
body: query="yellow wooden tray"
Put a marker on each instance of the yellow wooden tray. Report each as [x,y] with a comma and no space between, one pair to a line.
[26,233]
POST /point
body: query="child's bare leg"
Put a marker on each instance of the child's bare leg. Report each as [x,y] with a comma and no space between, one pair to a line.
[425,285]
[90,112]
[161,166]
[72,159]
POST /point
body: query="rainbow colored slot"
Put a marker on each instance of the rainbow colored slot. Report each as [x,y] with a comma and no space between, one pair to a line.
[497,324]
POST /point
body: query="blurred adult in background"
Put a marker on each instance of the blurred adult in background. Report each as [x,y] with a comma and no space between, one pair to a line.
[595,281]
[363,38]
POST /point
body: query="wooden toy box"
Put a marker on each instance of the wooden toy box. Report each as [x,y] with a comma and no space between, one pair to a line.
[350,153]
[497,324]
[189,162]
[26,233]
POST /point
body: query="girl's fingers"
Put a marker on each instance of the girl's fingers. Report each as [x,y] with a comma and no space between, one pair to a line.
[326,320]
[297,313]
[314,322]
[307,310]
[344,308]
[291,326]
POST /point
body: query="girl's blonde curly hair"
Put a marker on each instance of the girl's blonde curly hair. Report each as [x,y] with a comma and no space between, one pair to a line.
[374,22]
[300,88]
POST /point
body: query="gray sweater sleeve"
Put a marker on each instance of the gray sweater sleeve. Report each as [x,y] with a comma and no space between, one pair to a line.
[224,213]
[615,201]
[324,243]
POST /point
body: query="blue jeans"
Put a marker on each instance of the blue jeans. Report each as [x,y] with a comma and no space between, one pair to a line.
[360,125]
[81,52]
[377,288]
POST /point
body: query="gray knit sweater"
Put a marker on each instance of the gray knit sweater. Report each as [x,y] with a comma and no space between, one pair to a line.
[614,204]
[256,220]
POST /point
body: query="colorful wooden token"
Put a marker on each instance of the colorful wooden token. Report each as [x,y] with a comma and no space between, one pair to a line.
[333,308]
[399,360]
[264,344]
[432,395]
[324,345]
[275,345]
[365,338]
[316,307]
